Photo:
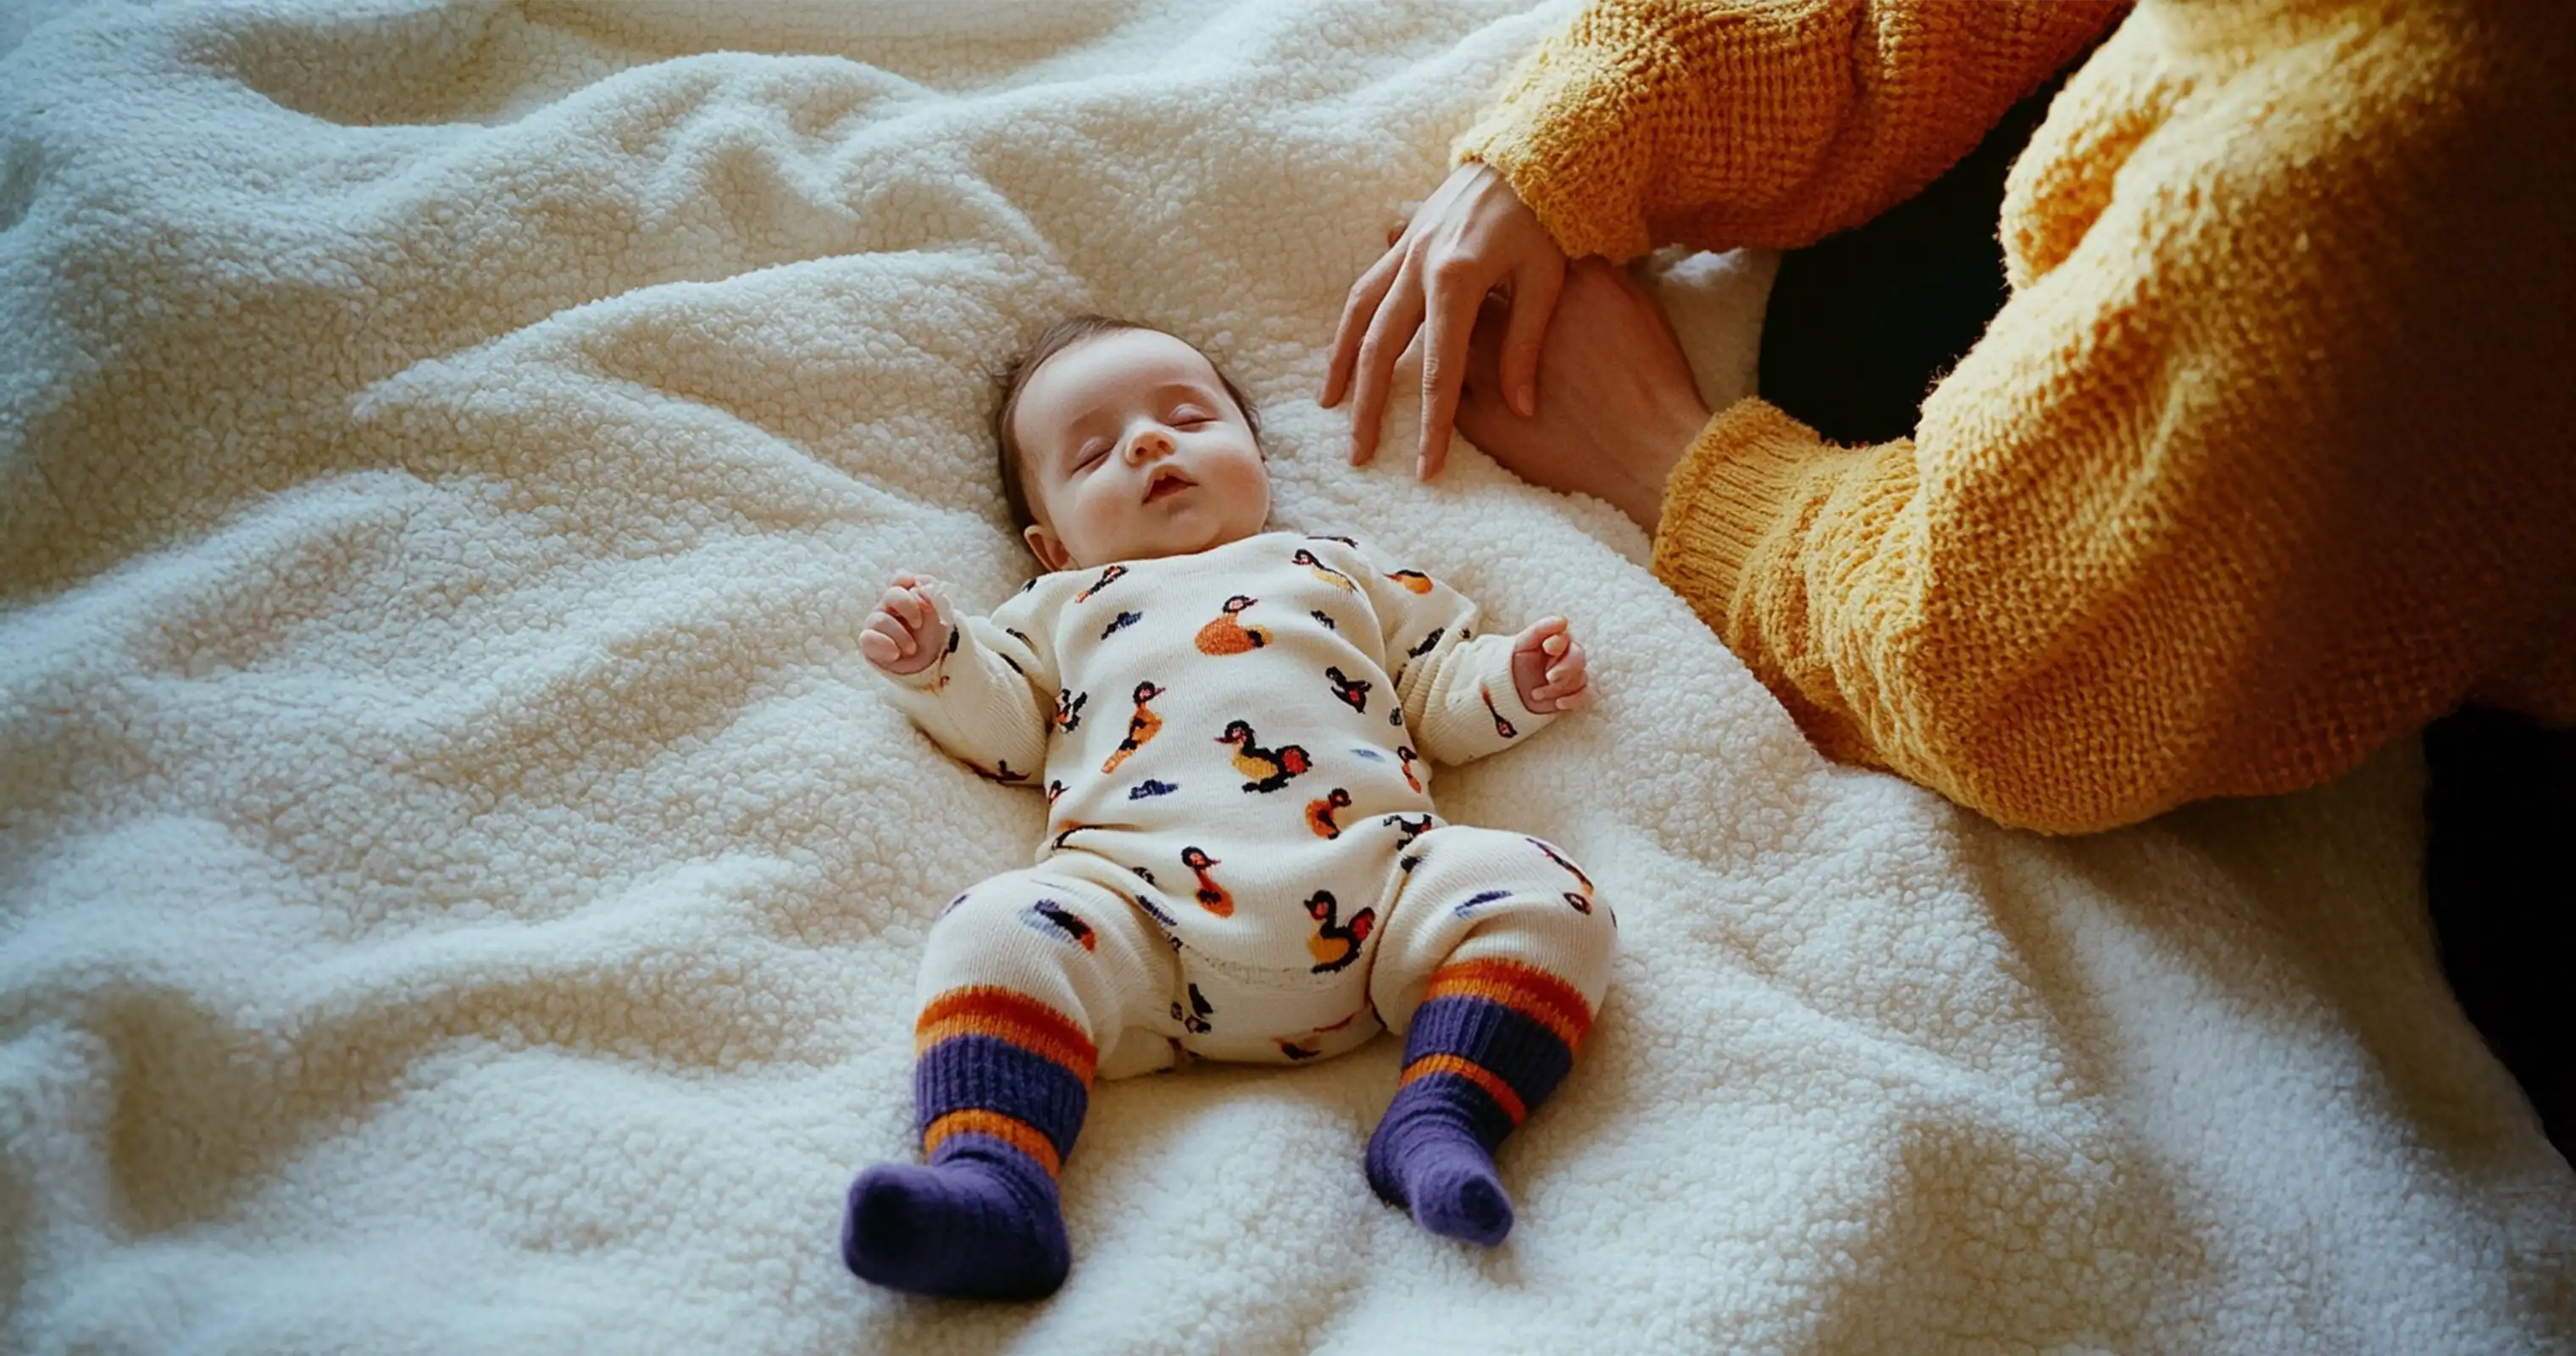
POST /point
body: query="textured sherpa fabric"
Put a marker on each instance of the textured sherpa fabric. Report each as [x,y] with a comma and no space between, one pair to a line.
[460,889]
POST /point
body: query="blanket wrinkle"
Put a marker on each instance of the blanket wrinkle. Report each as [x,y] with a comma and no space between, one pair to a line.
[461,890]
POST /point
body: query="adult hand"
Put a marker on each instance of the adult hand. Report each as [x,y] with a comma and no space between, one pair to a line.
[1474,235]
[1617,403]
[910,628]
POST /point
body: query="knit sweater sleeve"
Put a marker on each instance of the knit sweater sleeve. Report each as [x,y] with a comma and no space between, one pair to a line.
[1723,123]
[990,700]
[1454,684]
[2234,494]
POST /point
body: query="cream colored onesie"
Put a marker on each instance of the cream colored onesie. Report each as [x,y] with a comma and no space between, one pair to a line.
[1241,859]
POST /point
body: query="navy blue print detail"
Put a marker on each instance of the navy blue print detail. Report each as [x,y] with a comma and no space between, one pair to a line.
[1150,787]
[1328,622]
[1125,620]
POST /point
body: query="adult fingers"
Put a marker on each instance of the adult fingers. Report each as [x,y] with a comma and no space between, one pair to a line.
[1534,292]
[1388,333]
[1358,309]
[1456,292]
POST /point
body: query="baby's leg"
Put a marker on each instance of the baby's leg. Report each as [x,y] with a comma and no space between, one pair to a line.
[1031,983]
[1493,959]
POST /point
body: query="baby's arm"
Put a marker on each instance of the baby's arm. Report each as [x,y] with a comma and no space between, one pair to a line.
[973,688]
[1467,695]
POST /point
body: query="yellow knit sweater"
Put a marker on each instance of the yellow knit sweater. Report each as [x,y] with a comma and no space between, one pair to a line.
[2267,458]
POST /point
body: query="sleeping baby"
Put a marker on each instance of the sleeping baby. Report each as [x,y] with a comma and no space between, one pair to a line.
[1241,859]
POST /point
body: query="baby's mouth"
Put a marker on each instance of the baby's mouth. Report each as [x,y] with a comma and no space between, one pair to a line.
[1166,484]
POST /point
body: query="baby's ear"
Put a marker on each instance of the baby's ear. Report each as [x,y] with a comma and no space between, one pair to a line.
[1043,545]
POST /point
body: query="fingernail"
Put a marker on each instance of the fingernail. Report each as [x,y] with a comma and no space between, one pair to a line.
[1524,401]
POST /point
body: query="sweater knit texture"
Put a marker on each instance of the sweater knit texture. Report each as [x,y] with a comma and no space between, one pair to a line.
[2265,460]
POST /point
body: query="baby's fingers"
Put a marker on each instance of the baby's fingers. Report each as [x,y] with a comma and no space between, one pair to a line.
[881,643]
[910,609]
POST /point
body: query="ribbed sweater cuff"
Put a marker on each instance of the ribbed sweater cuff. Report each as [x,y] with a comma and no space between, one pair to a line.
[1729,494]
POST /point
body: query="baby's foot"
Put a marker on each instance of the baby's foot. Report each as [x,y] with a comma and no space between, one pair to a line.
[968,1227]
[1426,1159]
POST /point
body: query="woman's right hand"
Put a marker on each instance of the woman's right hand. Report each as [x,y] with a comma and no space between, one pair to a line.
[910,628]
[1473,236]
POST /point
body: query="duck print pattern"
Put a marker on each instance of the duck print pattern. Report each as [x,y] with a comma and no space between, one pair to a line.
[1228,635]
[1269,769]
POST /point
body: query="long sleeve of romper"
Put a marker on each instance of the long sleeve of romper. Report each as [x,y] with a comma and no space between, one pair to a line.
[2263,464]
[1456,686]
[1723,123]
[989,701]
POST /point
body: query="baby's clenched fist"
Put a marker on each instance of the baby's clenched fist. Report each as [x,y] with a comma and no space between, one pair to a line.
[910,627]
[1548,668]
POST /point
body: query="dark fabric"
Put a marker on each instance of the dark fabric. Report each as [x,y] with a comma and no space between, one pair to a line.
[1861,324]
[2500,797]
[1859,328]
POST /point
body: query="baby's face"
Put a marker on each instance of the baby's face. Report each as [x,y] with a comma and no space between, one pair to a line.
[1132,450]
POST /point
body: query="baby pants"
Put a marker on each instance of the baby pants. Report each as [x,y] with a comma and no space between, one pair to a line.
[1484,946]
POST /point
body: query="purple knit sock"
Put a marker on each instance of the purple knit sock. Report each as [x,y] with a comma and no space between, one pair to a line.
[1491,1040]
[1426,1156]
[980,1222]
[1000,1090]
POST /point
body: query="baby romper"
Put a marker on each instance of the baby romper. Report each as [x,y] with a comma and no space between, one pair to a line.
[1241,858]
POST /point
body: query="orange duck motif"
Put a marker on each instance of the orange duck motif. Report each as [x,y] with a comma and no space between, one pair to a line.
[1319,813]
[1211,896]
[1141,727]
[1226,635]
[1414,580]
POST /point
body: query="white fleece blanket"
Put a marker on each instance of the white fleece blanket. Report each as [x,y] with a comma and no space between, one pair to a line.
[460,892]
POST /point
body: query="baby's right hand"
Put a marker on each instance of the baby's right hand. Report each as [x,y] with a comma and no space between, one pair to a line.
[910,628]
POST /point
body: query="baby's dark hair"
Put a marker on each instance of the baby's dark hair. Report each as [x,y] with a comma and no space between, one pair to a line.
[1058,337]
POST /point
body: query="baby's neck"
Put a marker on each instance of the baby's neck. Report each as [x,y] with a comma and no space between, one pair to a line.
[1072,565]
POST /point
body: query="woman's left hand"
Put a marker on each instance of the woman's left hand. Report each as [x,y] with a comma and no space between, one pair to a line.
[1617,406]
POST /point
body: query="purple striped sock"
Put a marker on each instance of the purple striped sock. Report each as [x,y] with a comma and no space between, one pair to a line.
[1001,1086]
[1488,1045]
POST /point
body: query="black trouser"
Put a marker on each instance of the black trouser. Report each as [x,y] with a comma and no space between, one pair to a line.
[1858,329]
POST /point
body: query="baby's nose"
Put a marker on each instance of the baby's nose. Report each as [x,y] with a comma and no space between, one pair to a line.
[1150,444]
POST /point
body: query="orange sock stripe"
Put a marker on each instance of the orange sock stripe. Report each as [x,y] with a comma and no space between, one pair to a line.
[1547,1000]
[984,1010]
[1474,1073]
[1011,1130]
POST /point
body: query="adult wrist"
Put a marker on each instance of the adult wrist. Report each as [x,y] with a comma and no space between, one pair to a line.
[1643,499]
